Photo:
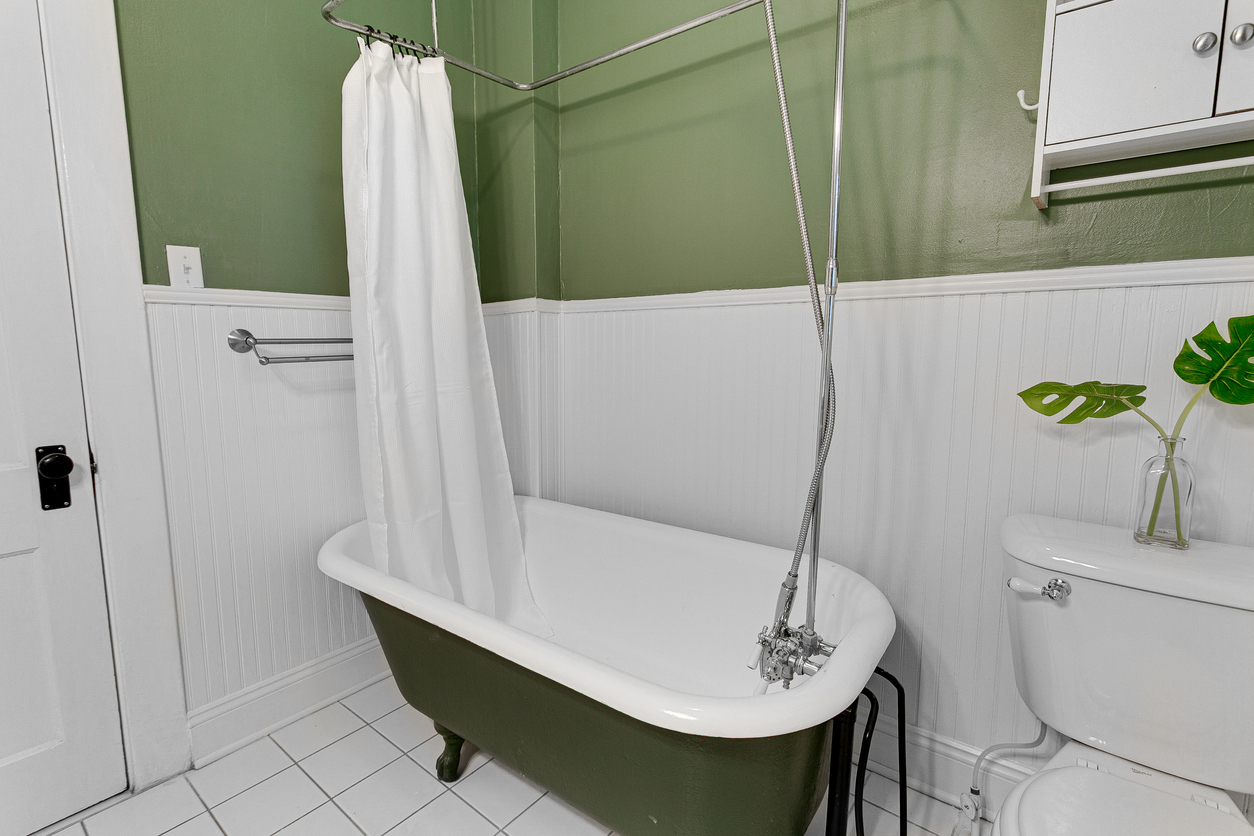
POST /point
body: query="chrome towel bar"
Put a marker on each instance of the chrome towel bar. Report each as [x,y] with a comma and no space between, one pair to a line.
[243,342]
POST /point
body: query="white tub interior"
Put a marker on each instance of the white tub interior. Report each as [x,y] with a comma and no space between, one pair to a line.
[677,607]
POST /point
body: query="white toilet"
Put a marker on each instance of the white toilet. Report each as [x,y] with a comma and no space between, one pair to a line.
[1144,657]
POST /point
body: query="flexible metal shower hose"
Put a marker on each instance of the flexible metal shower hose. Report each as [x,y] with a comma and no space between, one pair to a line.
[828,415]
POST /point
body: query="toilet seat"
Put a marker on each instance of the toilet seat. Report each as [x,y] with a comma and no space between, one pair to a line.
[1080,801]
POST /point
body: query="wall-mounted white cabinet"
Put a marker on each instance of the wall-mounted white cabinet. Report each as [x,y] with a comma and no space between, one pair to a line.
[1127,78]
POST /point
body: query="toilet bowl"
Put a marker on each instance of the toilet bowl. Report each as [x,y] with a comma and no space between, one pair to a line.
[1086,792]
[1141,656]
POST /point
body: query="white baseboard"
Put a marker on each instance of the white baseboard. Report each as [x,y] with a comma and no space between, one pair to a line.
[229,724]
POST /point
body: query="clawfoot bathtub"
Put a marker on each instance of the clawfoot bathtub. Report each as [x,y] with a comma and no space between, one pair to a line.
[638,710]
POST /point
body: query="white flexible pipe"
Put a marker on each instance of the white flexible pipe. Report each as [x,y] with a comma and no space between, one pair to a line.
[971,801]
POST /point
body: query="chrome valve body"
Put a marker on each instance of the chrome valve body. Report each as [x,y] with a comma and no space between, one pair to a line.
[785,652]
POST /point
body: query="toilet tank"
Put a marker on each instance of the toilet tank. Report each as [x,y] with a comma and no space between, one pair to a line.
[1151,655]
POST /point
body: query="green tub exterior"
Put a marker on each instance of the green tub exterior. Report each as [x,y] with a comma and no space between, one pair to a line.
[633,777]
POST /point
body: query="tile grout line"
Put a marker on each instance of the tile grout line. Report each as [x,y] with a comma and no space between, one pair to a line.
[291,763]
[331,798]
[443,792]
[483,815]
[320,748]
[209,809]
[318,787]
[345,814]
[304,816]
[354,713]
[528,807]
[358,781]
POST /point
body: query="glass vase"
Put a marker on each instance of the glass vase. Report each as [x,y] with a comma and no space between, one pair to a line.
[1166,498]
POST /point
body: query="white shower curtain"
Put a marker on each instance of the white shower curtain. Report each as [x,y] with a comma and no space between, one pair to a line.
[439,498]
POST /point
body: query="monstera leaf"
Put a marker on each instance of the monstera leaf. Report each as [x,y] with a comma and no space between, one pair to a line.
[1101,400]
[1226,366]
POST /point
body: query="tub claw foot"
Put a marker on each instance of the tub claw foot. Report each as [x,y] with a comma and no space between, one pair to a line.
[448,765]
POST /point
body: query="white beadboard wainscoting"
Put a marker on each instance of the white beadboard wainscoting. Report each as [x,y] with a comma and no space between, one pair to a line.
[260,468]
[698,410]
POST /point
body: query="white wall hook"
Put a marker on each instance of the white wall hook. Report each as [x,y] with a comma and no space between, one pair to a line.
[1023,103]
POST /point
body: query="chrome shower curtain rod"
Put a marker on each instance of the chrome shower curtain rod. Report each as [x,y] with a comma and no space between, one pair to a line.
[435,51]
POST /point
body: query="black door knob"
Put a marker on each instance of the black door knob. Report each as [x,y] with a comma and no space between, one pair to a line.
[55,466]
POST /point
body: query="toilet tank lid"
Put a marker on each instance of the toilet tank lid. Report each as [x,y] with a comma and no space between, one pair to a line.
[1214,573]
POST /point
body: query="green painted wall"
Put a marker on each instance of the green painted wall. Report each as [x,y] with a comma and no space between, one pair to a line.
[662,172]
[673,175]
[233,109]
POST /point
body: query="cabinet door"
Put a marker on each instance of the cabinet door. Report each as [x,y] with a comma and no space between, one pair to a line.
[1124,65]
[1236,65]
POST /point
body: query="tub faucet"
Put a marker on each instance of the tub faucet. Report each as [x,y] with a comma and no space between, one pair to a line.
[782,652]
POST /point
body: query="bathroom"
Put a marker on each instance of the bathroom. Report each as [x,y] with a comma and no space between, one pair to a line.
[174,173]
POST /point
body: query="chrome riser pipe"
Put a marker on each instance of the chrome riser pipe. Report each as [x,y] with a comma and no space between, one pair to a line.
[776,639]
[831,282]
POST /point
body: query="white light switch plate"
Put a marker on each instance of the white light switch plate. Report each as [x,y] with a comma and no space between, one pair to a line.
[184,265]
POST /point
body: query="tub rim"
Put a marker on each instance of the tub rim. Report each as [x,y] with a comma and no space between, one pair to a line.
[822,697]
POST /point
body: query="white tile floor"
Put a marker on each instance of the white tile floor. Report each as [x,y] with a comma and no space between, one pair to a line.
[366,765]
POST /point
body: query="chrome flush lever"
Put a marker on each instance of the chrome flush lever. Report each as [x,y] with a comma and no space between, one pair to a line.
[1056,590]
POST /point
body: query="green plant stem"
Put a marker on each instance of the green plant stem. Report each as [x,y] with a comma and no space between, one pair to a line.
[1175,433]
[1152,422]
[1158,501]
[1175,492]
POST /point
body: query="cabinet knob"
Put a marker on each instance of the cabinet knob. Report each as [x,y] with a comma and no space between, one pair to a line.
[1242,33]
[1206,41]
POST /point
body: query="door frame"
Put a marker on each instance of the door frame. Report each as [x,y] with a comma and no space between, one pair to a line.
[93,161]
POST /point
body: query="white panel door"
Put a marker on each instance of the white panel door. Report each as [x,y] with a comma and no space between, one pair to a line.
[1236,65]
[60,735]
[1124,65]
